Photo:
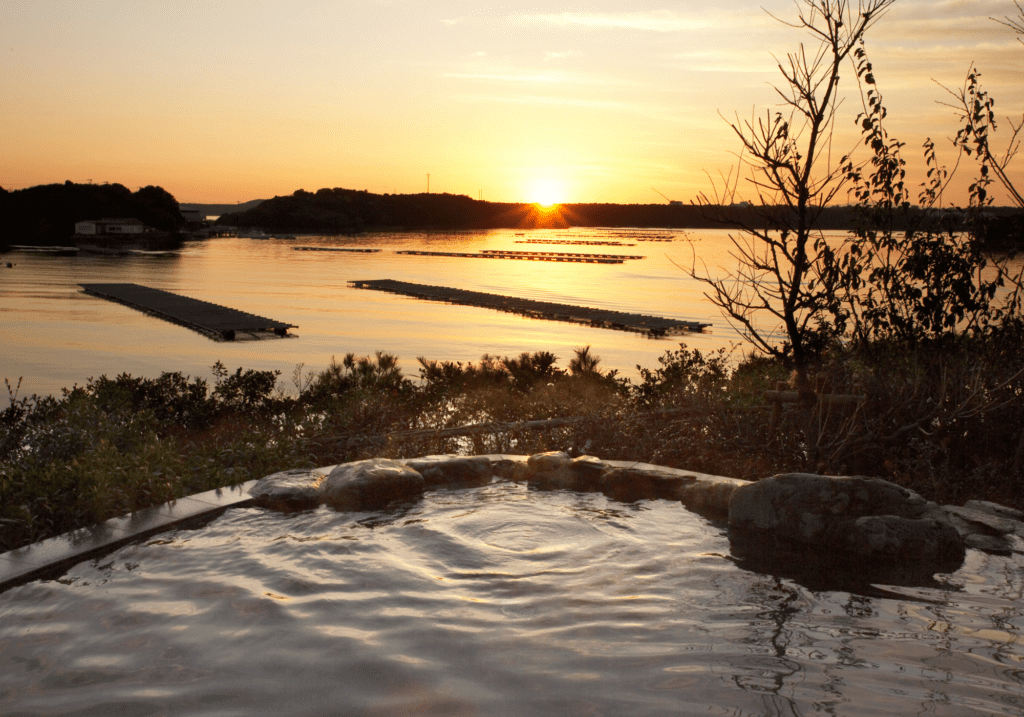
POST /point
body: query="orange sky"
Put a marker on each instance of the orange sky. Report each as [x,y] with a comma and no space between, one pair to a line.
[597,102]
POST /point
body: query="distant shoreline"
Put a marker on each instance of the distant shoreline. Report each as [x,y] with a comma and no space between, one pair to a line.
[46,215]
[345,211]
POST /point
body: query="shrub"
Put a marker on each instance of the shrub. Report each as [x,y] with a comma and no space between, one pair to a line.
[944,419]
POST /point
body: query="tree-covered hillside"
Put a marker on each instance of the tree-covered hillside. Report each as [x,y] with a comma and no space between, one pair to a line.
[347,211]
[46,214]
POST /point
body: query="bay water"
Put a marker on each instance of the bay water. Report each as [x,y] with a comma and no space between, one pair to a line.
[55,335]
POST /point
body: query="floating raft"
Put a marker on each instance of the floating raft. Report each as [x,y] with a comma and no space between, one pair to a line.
[570,241]
[601,318]
[217,322]
[335,248]
[527,256]
[56,250]
[644,236]
[513,252]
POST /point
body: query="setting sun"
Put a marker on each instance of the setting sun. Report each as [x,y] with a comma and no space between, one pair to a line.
[550,107]
[547,192]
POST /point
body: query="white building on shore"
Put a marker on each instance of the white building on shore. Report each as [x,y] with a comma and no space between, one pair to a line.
[107,227]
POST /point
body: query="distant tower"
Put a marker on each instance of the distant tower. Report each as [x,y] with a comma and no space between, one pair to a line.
[428,184]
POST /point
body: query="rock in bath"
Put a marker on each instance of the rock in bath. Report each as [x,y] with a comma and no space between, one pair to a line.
[869,517]
[557,471]
[289,490]
[372,484]
[630,484]
[445,470]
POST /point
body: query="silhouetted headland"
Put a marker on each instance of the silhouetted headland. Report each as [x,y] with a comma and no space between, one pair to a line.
[46,214]
[347,211]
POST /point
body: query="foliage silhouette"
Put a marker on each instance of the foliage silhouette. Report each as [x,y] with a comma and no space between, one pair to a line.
[781,273]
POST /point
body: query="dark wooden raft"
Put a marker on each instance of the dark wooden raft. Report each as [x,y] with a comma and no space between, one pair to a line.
[523,256]
[213,320]
[601,318]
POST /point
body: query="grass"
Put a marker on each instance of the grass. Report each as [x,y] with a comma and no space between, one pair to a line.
[946,421]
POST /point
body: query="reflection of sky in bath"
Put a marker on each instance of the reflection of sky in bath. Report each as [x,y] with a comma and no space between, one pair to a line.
[230,101]
[502,600]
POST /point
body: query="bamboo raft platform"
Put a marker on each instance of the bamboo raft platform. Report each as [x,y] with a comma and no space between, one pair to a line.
[52,250]
[526,256]
[213,320]
[514,252]
[653,326]
[335,248]
[587,242]
[645,236]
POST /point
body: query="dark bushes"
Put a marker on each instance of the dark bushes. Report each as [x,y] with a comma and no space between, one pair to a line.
[126,443]
[945,419]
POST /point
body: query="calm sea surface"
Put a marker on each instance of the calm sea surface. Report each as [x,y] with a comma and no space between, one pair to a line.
[54,335]
[497,601]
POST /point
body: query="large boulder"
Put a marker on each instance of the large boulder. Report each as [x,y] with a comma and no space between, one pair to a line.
[555,470]
[631,484]
[999,510]
[371,485]
[289,490]
[447,471]
[709,495]
[987,526]
[511,468]
[867,517]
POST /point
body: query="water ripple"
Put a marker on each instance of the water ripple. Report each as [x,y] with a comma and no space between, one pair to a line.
[496,601]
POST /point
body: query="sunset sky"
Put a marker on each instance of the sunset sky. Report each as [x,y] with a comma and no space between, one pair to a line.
[226,101]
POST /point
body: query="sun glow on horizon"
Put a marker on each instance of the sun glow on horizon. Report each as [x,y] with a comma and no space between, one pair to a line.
[555,105]
[547,193]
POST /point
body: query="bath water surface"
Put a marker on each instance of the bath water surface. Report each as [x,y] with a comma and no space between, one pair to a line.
[496,601]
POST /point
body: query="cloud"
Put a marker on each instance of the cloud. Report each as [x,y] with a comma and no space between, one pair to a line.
[659,21]
[547,78]
[953,22]
[544,77]
[561,55]
[928,52]
[928,9]
[724,61]
[666,113]
[650,21]
[542,100]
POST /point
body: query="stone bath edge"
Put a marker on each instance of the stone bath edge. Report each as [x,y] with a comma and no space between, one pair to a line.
[701,493]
